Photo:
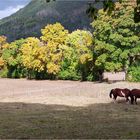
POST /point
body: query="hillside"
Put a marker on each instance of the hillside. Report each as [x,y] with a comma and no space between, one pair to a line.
[37,14]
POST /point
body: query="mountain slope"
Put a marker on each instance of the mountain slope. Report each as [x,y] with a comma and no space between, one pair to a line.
[37,14]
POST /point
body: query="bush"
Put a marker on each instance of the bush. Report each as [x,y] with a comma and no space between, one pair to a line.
[3,73]
[69,75]
[134,74]
[91,77]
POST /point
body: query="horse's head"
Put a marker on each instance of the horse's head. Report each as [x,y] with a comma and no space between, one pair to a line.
[127,91]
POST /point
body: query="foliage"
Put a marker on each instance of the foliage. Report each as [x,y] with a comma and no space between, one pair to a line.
[12,58]
[4,72]
[3,45]
[116,38]
[81,42]
[69,74]
[33,56]
[91,77]
[53,37]
[78,53]
[134,74]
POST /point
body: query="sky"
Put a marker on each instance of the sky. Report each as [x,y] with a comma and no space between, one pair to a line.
[8,7]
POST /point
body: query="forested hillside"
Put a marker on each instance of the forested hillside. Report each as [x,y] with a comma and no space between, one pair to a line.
[37,14]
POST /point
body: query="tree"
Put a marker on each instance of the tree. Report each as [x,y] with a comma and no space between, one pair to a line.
[116,38]
[33,57]
[3,45]
[53,38]
[12,57]
[78,55]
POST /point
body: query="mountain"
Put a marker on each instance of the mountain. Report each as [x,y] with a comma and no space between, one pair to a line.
[37,14]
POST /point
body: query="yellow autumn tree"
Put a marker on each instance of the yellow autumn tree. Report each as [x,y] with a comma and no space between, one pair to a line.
[33,56]
[3,45]
[53,38]
[81,42]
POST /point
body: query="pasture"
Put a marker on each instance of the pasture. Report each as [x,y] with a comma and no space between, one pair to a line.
[66,109]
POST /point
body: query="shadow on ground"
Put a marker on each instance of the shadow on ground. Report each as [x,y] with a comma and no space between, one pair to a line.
[20,120]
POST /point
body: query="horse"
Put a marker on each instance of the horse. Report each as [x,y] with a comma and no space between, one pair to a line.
[136,94]
[122,93]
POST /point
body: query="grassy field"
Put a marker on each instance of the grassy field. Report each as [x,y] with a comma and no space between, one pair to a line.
[19,120]
[102,119]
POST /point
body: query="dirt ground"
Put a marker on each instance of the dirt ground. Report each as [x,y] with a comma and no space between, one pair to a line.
[58,92]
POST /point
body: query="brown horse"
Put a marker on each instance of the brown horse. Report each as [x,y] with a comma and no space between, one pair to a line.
[136,94]
[122,93]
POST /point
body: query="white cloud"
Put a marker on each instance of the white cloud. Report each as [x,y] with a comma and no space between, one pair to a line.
[10,10]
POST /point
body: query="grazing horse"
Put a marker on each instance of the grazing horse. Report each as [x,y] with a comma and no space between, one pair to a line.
[122,93]
[136,94]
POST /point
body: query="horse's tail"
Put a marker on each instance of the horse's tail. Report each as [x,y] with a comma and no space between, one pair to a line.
[111,92]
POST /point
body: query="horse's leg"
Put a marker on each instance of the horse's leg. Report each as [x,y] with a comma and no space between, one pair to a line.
[132,99]
[114,98]
[136,100]
[127,99]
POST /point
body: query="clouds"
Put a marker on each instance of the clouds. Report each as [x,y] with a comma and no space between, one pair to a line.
[9,11]
[4,4]
[8,7]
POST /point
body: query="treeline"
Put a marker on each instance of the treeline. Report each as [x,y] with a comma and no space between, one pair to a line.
[113,46]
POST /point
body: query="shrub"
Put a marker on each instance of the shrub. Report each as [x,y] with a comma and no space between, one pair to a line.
[91,77]
[69,75]
[3,73]
[134,74]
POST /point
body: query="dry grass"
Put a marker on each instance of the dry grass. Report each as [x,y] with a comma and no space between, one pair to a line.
[65,109]
[19,120]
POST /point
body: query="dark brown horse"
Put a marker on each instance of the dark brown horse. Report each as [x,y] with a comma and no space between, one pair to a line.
[122,93]
[136,94]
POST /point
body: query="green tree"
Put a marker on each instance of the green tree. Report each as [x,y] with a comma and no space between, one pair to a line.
[134,73]
[78,55]
[12,58]
[116,38]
